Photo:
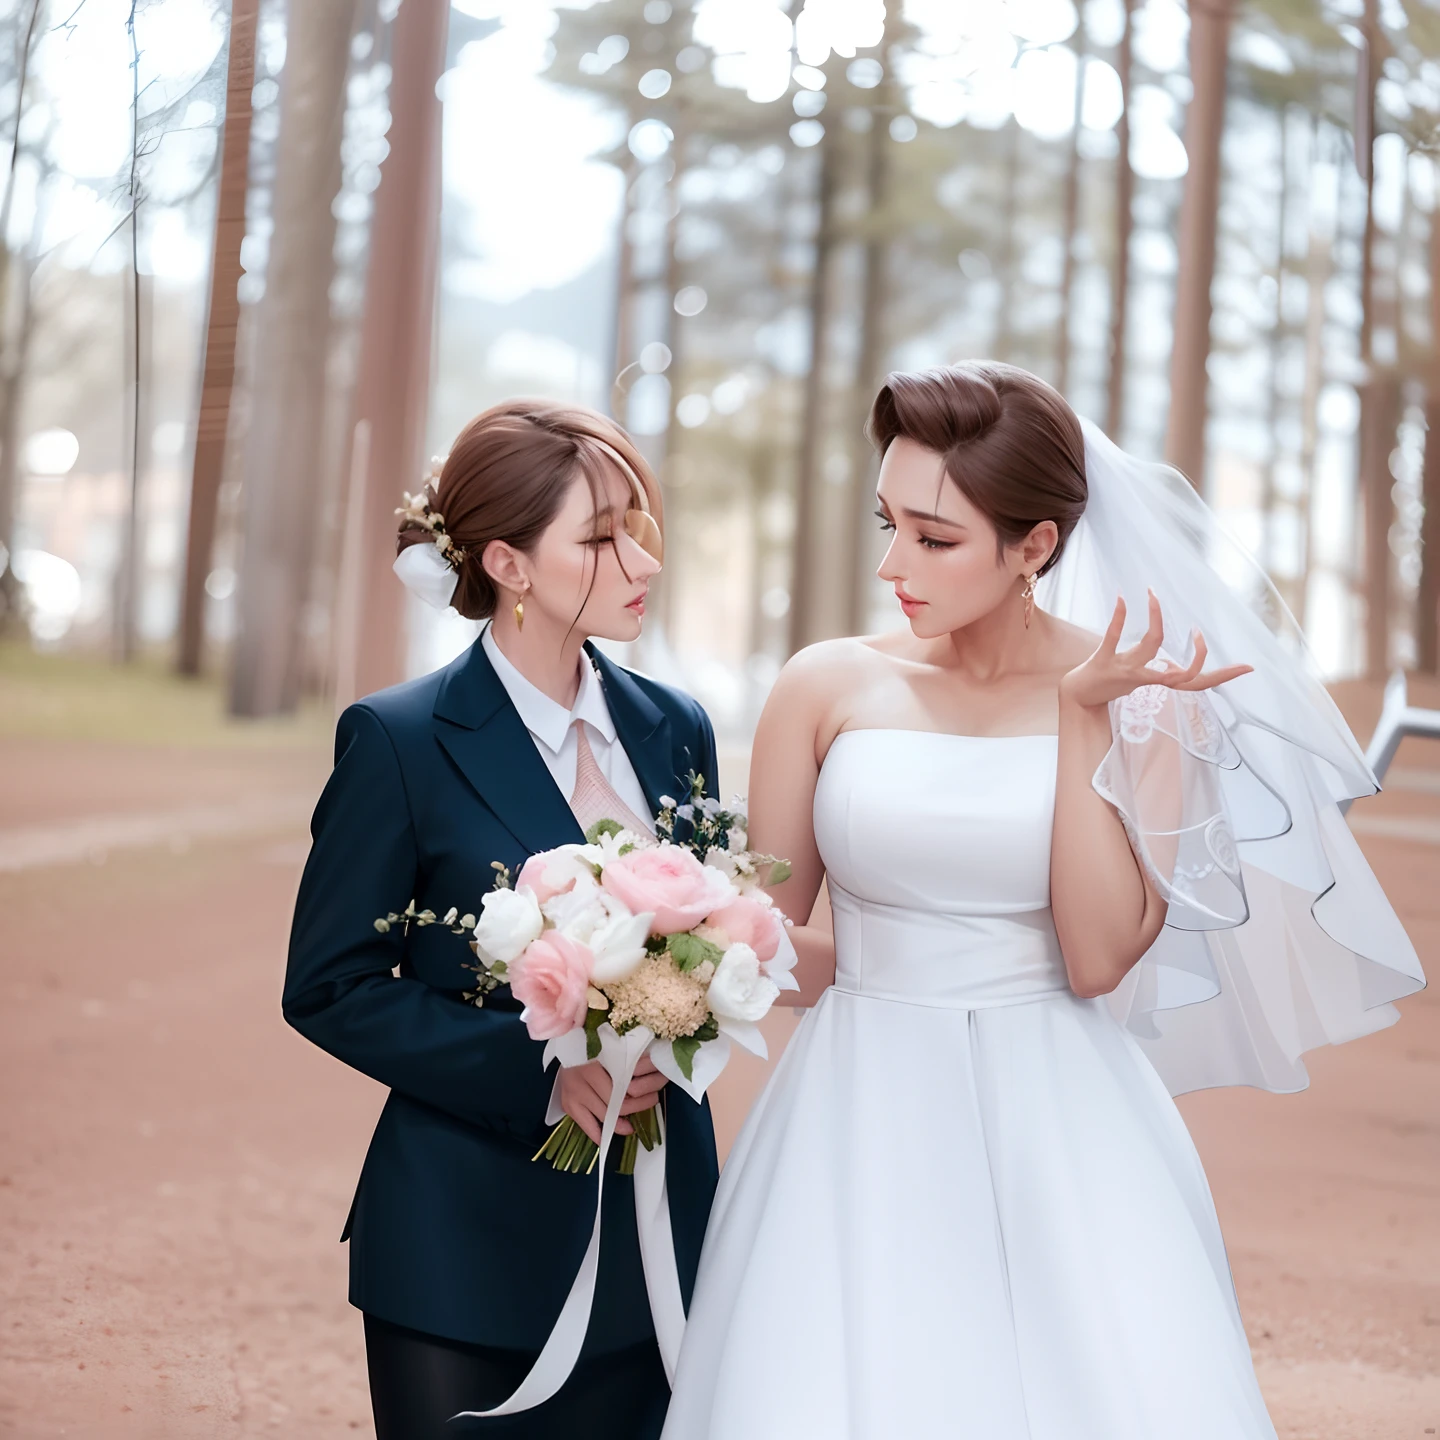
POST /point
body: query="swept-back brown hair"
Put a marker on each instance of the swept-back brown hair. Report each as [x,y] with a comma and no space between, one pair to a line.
[1009,441]
[506,477]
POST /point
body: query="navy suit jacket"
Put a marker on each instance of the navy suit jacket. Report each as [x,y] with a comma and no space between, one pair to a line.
[453,1230]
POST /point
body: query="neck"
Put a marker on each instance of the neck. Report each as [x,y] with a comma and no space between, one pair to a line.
[999,643]
[548,659]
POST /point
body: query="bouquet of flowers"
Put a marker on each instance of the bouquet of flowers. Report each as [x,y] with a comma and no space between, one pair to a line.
[669,935]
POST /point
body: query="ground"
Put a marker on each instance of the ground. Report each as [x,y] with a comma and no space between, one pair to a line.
[175,1164]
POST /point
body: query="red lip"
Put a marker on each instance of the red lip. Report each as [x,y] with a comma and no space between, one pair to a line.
[638,604]
[907,604]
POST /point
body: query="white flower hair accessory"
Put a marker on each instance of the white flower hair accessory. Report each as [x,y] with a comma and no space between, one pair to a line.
[429,571]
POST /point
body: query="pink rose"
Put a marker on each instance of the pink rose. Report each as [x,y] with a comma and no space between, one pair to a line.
[668,882]
[748,922]
[551,981]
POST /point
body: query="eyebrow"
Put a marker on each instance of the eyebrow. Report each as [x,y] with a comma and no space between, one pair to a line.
[930,515]
[924,515]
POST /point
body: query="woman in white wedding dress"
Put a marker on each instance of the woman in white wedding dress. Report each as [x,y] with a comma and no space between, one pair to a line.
[1068,878]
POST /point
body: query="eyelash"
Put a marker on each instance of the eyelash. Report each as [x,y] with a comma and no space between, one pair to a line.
[925,540]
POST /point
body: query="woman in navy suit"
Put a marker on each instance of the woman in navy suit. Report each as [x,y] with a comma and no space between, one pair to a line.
[461,1249]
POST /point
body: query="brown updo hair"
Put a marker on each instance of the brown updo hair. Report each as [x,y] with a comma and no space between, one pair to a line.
[506,477]
[1010,442]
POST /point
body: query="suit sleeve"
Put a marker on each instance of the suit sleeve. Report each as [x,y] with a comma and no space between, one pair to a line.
[340,989]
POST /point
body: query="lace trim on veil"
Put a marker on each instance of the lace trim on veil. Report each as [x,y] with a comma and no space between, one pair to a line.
[1278,937]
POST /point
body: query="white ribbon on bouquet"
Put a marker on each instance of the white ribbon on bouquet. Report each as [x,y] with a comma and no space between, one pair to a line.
[620,1054]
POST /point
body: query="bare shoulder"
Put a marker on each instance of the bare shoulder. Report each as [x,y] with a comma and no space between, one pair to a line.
[829,666]
[813,692]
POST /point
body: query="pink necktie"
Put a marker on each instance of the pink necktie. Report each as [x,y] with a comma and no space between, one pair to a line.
[595,798]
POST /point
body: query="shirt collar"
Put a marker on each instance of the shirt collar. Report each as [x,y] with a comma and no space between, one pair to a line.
[546,719]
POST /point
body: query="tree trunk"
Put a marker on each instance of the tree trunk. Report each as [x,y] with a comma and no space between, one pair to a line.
[1210,22]
[139,366]
[1379,416]
[805,575]
[129,577]
[12,394]
[1006,260]
[658,448]
[284,445]
[673,275]
[10,595]
[393,389]
[1427,619]
[623,342]
[1070,217]
[870,360]
[1124,227]
[1277,337]
[1317,277]
[1379,391]
[221,330]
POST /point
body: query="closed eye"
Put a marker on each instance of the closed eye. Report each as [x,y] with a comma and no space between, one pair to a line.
[886,523]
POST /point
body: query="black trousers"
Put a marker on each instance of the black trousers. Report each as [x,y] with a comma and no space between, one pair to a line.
[417,1382]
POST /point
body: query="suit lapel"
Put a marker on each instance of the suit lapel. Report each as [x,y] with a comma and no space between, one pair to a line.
[483,734]
[643,728]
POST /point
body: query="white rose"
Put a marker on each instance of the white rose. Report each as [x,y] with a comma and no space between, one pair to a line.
[577,911]
[618,944]
[509,921]
[740,990]
[737,840]
[570,862]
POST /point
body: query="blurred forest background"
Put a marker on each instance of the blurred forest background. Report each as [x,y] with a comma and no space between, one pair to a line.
[260,260]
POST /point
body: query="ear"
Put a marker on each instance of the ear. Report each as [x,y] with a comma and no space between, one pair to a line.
[1039,545]
[506,566]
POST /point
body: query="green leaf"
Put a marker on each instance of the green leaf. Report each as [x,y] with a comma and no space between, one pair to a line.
[602,827]
[686,1048]
[710,1030]
[594,1019]
[691,951]
[779,870]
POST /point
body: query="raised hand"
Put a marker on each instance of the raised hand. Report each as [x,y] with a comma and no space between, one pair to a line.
[1110,672]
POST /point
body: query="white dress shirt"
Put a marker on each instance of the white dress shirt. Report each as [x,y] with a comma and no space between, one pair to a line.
[552,728]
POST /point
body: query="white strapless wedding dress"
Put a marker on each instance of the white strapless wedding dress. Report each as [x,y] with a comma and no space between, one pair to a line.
[965,1206]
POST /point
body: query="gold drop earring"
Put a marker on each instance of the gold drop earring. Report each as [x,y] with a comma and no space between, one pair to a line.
[519,613]
[1028,594]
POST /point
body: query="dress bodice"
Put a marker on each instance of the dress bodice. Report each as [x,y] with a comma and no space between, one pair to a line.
[937,855]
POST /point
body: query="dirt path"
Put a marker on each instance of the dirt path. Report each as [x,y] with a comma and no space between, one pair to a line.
[175,1164]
